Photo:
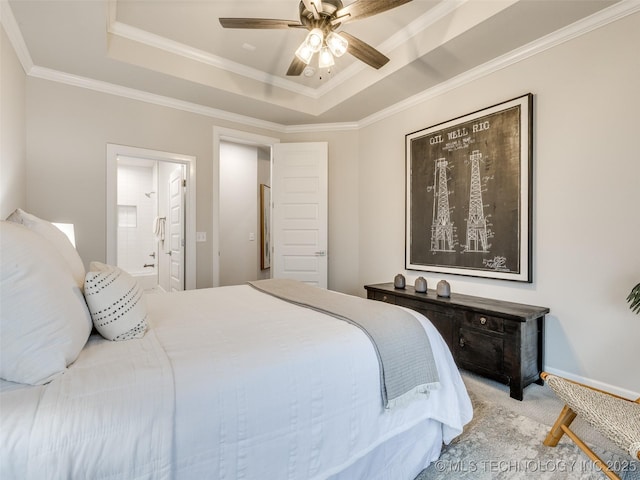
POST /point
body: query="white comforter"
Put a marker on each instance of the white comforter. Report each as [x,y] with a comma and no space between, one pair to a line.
[229,383]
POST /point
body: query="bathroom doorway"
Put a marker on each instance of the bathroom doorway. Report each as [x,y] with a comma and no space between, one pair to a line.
[150,231]
[148,220]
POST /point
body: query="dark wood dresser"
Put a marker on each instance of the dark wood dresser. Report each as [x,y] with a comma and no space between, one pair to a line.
[493,338]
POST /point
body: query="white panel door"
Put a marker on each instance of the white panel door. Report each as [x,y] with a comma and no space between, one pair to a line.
[176,229]
[299,217]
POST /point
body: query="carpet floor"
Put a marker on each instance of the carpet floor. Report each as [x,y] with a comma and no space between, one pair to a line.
[504,441]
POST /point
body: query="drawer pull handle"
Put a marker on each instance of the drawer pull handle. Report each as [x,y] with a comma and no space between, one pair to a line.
[461,342]
[483,320]
[385,298]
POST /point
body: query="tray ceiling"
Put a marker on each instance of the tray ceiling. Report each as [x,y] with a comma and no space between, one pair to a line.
[177,50]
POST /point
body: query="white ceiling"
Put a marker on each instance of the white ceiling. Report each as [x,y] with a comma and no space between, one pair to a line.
[176,52]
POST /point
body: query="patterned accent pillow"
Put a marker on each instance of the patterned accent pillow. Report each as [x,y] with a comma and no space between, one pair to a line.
[115,302]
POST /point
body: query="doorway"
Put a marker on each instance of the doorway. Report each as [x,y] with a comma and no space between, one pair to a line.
[250,166]
[150,217]
[245,171]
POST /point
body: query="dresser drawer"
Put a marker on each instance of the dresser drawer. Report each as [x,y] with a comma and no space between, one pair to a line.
[384,297]
[482,322]
[420,305]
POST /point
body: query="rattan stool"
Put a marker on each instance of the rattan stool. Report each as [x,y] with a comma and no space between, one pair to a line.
[617,418]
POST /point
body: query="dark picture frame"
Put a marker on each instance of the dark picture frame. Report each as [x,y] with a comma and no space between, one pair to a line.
[265,226]
[469,194]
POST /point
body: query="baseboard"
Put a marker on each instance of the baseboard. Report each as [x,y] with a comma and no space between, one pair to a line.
[595,384]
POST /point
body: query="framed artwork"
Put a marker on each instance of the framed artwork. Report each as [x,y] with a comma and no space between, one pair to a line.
[265,226]
[469,194]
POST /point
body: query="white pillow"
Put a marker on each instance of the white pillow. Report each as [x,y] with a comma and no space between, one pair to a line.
[55,236]
[115,302]
[44,321]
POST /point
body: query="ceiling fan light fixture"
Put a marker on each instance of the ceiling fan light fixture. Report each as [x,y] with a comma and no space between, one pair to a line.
[337,44]
[315,39]
[321,18]
[304,52]
[325,59]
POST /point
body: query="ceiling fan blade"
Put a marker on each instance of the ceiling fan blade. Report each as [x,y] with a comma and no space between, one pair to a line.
[296,68]
[314,6]
[364,52]
[260,23]
[365,8]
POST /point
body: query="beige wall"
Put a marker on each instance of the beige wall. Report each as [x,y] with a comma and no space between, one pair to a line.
[69,127]
[13,186]
[586,225]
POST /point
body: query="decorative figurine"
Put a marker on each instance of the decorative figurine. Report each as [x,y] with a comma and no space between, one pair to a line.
[399,281]
[421,285]
[443,289]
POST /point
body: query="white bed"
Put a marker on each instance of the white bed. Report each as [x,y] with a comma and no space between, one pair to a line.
[228,383]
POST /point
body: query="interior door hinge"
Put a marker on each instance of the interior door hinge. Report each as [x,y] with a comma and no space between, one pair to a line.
[184,182]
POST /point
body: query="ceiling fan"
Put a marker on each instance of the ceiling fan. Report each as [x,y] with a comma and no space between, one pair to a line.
[322,18]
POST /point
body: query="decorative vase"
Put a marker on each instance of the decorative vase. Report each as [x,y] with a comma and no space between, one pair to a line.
[420,285]
[443,289]
[399,281]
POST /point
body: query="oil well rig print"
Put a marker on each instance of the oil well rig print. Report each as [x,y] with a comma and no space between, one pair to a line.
[477,239]
[442,227]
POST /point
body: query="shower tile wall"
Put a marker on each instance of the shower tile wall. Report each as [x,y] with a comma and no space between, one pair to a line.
[136,214]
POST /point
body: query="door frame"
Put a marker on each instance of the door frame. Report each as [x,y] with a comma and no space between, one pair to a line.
[113,151]
[233,136]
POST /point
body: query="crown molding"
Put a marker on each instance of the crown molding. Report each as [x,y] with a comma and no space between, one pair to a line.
[595,21]
[140,95]
[162,43]
[581,27]
[163,101]
[322,127]
[15,36]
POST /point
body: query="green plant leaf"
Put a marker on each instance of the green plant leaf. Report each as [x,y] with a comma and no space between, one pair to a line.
[634,299]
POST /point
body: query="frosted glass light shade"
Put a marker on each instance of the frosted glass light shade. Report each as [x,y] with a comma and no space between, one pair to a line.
[337,44]
[304,52]
[315,39]
[325,60]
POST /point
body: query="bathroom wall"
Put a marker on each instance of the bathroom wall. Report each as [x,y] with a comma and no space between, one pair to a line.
[137,209]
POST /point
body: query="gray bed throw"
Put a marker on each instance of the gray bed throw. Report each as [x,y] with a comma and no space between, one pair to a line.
[404,353]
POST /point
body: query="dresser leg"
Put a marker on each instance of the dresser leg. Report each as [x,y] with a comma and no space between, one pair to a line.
[516,390]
